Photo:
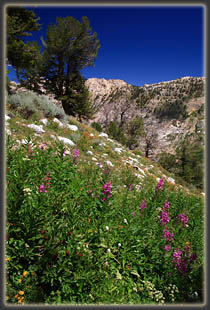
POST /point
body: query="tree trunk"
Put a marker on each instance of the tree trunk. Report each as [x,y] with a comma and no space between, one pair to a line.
[67,108]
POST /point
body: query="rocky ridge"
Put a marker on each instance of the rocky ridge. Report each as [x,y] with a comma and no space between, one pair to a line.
[171,109]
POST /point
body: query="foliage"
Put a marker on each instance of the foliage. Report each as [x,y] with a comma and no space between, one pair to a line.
[97,126]
[171,110]
[28,103]
[116,132]
[134,130]
[29,73]
[77,102]
[191,162]
[20,24]
[66,244]
[70,46]
[187,163]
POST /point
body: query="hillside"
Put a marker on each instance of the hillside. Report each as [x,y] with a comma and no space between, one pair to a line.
[90,221]
[172,109]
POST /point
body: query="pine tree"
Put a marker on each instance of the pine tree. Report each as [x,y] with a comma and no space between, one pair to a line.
[20,24]
[70,46]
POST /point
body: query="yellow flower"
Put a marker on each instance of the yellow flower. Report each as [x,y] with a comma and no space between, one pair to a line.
[20,280]
[16,296]
[20,300]
[21,292]
[25,273]
[7,259]
[188,244]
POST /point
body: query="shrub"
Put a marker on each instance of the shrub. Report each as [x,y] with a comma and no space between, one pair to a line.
[97,126]
[28,103]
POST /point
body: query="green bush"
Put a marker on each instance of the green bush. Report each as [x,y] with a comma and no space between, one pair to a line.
[116,132]
[28,103]
[171,110]
[97,126]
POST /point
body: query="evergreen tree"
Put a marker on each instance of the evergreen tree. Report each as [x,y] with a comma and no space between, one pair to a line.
[20,24]
[31,68]
[70,46]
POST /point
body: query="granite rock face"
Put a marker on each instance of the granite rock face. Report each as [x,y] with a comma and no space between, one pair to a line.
[121,102]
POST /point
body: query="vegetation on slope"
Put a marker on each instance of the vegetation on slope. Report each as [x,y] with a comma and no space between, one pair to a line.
[94,223]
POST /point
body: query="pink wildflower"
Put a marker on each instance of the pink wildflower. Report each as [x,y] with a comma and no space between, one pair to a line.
[164,218]
[167,247]
[133,214]
[166,206]
[41,188]
[143,205]
[183,218]
[167,235]
[107,191]
[177,258]
[160,185]
[130,187]
[76,155]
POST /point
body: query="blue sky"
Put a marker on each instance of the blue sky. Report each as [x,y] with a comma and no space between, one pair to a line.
[140,45]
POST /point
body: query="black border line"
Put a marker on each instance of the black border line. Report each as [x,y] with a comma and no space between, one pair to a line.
[108,3]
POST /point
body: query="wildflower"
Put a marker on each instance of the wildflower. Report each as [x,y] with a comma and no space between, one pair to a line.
[160,185]
[107,227]
[192,258]
[168,247]
[167,235]
[25,273]
[19,280]
[27,190]
[108,250]
[107,191]
[21,292]
[125,221]
[66,152]
[164,218]
[119,244]
[130,187]
[7,259]
[143,206]
[133,214]
[76,155]
[138,187]
[177,257]
[43,146]
[183,218]
[166,206]
[41,188]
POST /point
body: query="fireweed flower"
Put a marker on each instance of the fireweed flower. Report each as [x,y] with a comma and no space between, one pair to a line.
[107,191]
[41,188]
[177,258]
[160,185]
[183,218]
[167,235]
[143,205]
[166,206]
[167,247]
[192,258]
[164,218]
[76,155]
[133,214]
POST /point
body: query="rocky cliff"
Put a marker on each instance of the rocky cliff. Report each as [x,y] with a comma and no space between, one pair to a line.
[170,109]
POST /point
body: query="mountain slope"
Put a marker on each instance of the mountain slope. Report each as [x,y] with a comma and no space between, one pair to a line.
[171,109]
[90,221]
